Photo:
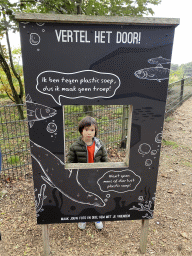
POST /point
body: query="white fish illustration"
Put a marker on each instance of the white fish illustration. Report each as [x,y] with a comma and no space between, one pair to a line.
[159,60]
[37,112]
[66,181]
[154,73]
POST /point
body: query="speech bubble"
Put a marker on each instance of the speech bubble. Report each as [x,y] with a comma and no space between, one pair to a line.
[119,181]
[82,84]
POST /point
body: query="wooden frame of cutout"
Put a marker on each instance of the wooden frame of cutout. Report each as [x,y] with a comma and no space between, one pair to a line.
[80,60]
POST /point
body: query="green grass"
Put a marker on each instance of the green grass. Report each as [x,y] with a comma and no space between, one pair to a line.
[3,96]
[13,160]
[73,108]
[119,121]
[114,138]
[169,119]
[188,164]
[104,118]
[118,112]
[68,122]
[170,143]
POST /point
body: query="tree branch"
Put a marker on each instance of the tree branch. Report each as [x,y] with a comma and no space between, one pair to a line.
[13,68]
[6,69]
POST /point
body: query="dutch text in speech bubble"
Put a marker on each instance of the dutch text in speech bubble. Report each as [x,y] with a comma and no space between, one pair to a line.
[82,84]
[119,181]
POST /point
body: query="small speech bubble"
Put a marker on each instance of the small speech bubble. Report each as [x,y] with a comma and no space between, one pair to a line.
[119,181]
[82,84]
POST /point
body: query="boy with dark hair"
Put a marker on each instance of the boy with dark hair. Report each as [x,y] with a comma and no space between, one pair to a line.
[88,149]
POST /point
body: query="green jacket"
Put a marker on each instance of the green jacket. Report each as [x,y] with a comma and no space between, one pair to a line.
[78,152]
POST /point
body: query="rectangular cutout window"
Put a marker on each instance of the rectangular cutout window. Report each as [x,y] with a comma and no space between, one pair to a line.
[114,130]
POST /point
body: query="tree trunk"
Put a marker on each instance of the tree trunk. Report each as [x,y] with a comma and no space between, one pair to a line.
[13,69]
[124,121]
[78,6]
[14,97]
[88,110]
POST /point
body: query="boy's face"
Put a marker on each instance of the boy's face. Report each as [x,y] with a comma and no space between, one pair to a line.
[88,132]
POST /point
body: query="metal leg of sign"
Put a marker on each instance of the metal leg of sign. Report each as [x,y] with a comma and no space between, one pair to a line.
[144,234]
[45,234]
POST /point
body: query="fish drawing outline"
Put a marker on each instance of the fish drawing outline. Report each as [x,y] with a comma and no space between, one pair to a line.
[159,60]
[37,112]
[157,73]
[41,198]
[50,165]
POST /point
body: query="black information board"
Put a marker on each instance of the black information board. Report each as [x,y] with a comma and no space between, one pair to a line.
[95,64]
